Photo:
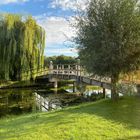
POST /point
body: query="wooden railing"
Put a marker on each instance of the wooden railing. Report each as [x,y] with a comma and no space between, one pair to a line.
[75,70]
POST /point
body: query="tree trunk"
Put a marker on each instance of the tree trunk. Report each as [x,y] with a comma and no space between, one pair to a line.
[114,94]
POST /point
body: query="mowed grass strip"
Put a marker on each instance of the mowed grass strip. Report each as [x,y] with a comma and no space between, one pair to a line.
[102,120]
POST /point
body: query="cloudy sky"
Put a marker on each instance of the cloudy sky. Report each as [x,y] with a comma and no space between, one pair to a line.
[53,16]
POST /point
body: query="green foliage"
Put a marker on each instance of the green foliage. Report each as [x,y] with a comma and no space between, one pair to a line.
[60,60]
[21,46]
[101,120]
[95,97]
[65,82]
[109,37]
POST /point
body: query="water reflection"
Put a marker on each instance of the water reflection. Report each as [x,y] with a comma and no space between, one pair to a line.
[16,102]
[46,103]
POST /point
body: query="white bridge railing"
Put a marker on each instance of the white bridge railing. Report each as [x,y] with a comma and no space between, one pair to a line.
[76,70]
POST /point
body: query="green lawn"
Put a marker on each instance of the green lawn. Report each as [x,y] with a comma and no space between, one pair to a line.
[102,120]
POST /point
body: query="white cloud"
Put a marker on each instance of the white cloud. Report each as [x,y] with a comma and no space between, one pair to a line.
[58,29]
[11,1]
[70,4]
[58,35]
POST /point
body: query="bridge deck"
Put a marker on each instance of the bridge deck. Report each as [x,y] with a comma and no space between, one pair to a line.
[77,72]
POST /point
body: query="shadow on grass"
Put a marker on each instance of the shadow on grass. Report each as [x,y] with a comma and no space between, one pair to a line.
[130,138]
[125,111]
[30,124]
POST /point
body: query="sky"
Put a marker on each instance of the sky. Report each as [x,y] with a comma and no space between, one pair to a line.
[54,16]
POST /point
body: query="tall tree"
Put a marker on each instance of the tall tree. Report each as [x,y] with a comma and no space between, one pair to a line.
[22,44]
[108,38]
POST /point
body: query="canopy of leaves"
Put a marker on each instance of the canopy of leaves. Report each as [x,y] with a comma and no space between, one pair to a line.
[108,36]
[22,44]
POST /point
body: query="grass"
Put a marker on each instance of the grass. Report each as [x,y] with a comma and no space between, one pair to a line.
[89,87]
[102,120]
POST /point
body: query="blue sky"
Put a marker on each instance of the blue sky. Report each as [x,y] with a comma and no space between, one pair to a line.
[53,16]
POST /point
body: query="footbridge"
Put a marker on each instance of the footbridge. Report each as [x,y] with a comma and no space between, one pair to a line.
[74,72]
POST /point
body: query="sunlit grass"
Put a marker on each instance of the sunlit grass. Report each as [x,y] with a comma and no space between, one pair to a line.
[102,120]
[89,87]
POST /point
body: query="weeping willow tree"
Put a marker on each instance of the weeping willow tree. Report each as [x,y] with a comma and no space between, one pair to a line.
[22,44]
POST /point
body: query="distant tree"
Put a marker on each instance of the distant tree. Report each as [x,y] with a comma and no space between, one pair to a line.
[108,38]
[62,59]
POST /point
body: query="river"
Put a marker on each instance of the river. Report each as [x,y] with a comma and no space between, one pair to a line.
[21,101]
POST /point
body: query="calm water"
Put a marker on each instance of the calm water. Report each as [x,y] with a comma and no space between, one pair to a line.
[15,102]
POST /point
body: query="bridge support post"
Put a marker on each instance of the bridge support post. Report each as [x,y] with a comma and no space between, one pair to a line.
[57,67]
[51,67]
[55,84]
[62,69]
[74,86]
[103,92]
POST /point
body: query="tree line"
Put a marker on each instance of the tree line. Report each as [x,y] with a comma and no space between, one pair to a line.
[62,59]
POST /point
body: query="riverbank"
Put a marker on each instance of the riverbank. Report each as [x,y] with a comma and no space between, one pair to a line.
[23,84]
[99,120]
[30,84]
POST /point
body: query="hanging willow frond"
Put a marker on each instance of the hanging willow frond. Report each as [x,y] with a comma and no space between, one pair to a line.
[21,46]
